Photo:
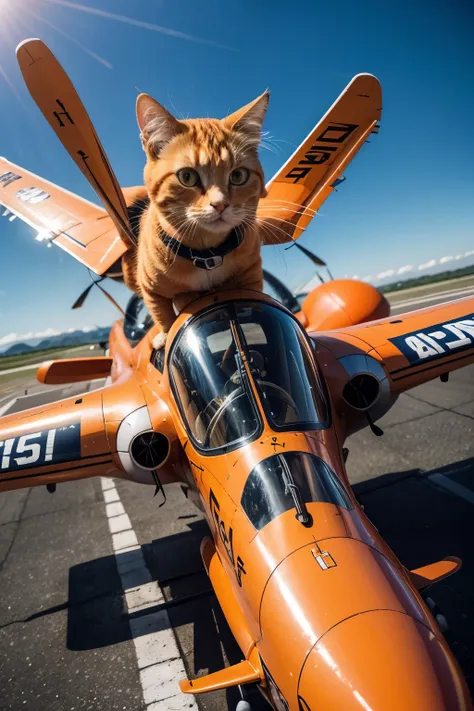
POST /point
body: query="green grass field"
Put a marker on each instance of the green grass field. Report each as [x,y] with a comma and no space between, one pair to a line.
[58,353]
[428,279]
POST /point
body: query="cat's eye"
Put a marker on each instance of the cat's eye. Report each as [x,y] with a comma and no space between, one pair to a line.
[239,176]
[188,177]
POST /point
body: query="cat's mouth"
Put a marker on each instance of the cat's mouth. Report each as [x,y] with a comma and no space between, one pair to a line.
[217,222]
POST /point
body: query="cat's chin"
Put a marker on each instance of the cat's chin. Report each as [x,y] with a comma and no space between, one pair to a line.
[216,227]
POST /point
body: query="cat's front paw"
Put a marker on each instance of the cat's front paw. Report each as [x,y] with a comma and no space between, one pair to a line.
[159,341]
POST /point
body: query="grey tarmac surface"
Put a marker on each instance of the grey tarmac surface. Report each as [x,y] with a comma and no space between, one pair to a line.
[64,633]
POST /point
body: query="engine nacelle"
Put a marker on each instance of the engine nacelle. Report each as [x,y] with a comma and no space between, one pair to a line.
[366,391]
[343,302]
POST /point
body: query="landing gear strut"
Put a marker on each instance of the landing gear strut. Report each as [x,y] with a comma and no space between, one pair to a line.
[436,612]
[251,698]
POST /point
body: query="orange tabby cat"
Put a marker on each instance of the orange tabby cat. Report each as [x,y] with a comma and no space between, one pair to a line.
[199,231]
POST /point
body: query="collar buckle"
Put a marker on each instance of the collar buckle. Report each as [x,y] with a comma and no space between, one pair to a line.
[208,263]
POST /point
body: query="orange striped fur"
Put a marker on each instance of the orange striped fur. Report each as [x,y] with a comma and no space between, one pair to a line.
[221,155]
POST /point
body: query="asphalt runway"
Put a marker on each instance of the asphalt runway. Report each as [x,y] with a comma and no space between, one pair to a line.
[65,633]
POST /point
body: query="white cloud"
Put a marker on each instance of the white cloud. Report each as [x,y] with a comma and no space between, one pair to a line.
[47,333]
[13,337]
[367,278]
[459,256]
[387,273]
[443,260]
[428,265]
[405,269]
[469,254]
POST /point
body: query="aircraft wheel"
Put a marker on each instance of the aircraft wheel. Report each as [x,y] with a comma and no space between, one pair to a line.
[246,692]
[440,618]
[442,623]
[243,706]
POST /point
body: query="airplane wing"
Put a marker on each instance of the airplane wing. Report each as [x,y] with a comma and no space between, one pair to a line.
[315,169]
[55,443]
[413,347]
[106,432]
[76,225]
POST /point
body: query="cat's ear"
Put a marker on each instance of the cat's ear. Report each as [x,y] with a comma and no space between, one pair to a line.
[157,125]
[249,118]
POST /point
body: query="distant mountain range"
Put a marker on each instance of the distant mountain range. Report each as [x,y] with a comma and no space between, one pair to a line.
[74,338]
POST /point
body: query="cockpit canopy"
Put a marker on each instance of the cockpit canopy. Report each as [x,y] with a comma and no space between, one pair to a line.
[231,356]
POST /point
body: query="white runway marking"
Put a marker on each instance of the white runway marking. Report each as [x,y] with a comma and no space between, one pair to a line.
[4,408]
[159,662]
[453,487]
[447,295]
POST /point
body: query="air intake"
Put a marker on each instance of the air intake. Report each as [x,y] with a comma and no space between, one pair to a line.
[149,450]
[362,391]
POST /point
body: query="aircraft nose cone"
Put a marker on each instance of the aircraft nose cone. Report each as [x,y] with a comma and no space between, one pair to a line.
[381,661]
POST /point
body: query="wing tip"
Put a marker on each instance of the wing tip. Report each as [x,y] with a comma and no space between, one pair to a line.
[366,76]
[27,41]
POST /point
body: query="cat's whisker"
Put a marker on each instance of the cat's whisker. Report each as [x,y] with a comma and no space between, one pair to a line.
[268,147]
[187,215]
[270,227]
[171,256]
[274,212]
[282,203]
[293,211]
[266,229]
[281,222]
[287,205]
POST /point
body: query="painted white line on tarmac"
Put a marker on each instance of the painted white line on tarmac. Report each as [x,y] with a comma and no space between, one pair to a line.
[453,487]
[433,297]
[111,495]
[424,287]
[31,366]
[20,369]
[4,409]
[159,661]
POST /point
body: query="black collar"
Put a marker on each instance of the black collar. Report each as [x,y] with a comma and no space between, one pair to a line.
[205,258]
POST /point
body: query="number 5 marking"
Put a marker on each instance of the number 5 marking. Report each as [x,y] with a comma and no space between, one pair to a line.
[23,446]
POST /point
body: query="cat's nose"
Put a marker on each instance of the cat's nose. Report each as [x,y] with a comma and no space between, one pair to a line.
[220,206]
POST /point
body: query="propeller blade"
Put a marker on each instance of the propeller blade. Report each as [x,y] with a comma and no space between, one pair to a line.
[110,298]
[316,260]
[78,303]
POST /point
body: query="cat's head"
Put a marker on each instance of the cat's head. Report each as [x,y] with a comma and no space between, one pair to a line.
[203,174]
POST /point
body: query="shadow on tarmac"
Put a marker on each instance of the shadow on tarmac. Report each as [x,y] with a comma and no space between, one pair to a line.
[419,521]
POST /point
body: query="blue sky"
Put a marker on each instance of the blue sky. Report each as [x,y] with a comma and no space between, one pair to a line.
[408,197]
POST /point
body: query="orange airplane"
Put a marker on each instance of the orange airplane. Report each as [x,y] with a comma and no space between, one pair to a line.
[248,407]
